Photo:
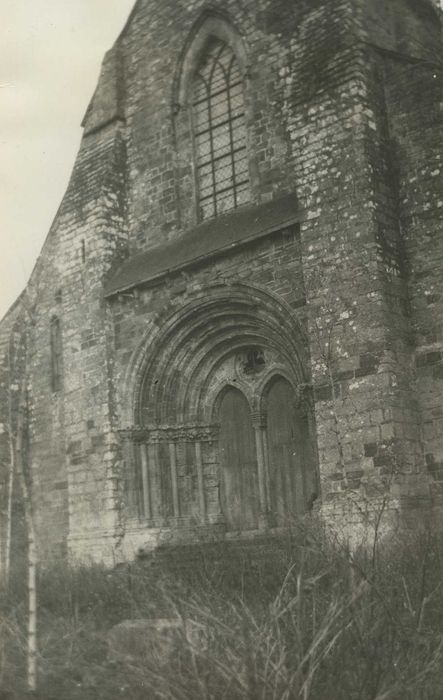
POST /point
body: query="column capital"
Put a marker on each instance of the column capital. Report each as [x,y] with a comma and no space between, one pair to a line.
[259,419]
[304,398]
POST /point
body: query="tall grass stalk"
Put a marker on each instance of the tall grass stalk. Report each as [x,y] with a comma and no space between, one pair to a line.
[311,622]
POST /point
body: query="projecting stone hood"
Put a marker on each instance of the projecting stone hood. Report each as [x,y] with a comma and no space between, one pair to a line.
[205,241]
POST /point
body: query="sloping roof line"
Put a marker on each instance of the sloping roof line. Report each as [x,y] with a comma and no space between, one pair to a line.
[206,240]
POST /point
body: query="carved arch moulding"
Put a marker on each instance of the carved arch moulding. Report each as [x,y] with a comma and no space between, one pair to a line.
[188,354]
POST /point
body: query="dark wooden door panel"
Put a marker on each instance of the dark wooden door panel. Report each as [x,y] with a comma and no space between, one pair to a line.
[239,492]
[286,453]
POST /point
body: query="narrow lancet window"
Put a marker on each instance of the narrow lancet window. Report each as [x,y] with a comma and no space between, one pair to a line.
[56,355]
[220,132]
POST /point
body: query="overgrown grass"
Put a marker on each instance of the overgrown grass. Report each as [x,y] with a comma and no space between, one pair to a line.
[308,621]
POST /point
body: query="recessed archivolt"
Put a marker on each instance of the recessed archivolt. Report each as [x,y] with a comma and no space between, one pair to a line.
[171,376]
[207,379]
[201,350]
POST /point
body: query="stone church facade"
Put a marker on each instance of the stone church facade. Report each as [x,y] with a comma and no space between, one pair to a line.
[237,316]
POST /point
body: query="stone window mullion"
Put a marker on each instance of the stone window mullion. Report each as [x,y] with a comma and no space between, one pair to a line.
[219,132]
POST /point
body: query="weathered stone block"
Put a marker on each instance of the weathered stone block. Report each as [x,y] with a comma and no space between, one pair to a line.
[155,641]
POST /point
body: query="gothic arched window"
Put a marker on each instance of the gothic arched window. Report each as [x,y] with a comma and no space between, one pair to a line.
[220,132]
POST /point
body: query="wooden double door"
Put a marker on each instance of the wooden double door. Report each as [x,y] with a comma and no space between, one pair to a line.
[263,467]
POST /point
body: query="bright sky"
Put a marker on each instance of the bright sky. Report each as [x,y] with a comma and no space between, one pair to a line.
[50,56]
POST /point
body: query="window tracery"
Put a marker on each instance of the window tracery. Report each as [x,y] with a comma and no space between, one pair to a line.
[222,169]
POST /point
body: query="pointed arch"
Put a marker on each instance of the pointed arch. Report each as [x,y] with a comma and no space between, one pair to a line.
[209,103]
[220,395]
[212,24]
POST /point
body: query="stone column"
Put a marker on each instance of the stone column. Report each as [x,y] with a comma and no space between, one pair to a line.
[129,474]
[153,479]
[200,480]
[174,483]
[259,424]
[145,480]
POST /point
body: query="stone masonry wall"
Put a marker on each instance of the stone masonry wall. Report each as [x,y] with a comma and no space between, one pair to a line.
[343,102]
[70,439]
[414,97]
[333,136]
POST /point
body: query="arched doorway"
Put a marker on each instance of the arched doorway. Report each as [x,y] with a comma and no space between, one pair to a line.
[201,369]
[286,436]
[239,495]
